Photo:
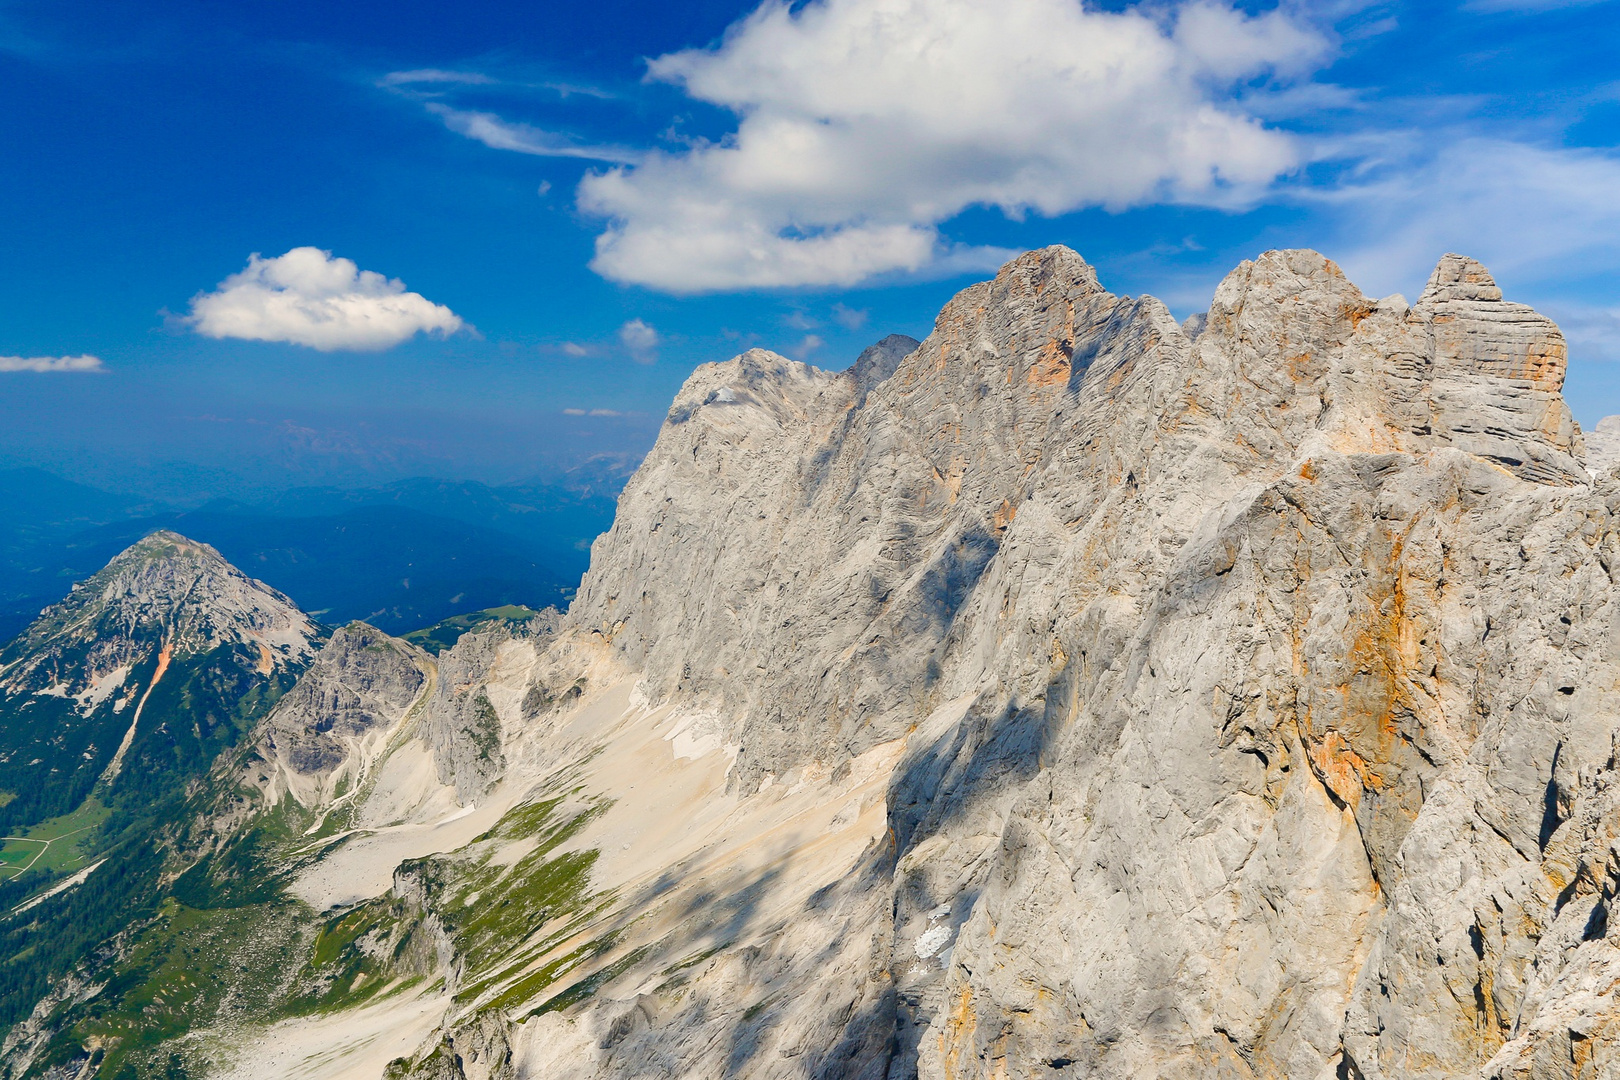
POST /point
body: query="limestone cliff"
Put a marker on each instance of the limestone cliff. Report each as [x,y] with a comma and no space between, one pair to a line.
[1256,691]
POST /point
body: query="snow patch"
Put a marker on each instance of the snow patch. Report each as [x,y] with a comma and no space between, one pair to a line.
[696,734]
[930,941]
[101,688]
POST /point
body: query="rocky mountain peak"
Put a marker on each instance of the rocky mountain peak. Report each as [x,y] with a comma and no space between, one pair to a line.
[326,730]
[181,592]
[96,680]
[1457,277]
[878,361]
[359,681]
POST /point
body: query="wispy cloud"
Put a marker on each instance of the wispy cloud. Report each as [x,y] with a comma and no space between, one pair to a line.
[1535,212]
[408,82]
[849,318]
[46,364]
[806,348]
[1525,7]
[499,134]
[434,75]
[1593,332]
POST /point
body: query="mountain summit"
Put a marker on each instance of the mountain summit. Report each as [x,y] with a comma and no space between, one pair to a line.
[1070,693]
[167,617]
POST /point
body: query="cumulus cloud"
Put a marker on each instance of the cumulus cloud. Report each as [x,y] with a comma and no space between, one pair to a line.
[499,134]
[641,340]
[308,297]
[863,124]
[51,363]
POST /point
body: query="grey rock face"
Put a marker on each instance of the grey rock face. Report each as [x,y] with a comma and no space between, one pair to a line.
[1285,648]
[877,362]
[462,728]
[362,680]
[1603,445]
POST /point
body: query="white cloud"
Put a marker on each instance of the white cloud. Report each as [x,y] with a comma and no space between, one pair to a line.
[803,349]
[1528,213]
[51,363]
[641,340]
[574,348]
[499,134]
[849,318]
[434,75]
[865,123]
[308,297]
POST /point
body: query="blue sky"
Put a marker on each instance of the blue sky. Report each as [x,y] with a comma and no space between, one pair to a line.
[552,212]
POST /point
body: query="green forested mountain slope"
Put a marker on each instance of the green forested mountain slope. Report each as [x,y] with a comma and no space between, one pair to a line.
[112,705]
[183,752]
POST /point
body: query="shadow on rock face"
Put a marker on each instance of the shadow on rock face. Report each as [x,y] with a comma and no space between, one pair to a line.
[977,756]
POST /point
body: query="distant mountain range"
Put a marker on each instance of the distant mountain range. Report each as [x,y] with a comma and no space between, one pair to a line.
[401,556]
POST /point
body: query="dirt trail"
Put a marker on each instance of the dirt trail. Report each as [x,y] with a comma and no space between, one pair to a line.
[44,846]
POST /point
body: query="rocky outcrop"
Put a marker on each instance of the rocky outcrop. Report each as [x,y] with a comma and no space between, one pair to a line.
[1603,445]
[877,362]
[327,728]
[462,726]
